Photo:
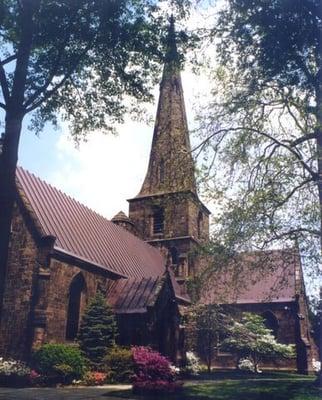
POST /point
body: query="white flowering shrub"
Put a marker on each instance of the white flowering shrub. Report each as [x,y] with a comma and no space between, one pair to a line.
[246,365]
[13,367]
[193,366]
[316,365]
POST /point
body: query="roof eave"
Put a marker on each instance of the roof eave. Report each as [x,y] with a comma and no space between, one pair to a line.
[57,251]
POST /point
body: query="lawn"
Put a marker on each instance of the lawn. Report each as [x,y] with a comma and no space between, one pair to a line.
[232,387]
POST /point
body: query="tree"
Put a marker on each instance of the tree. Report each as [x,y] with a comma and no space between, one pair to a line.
[264,123]
[250,339]
[97,331]
[205,324]
[71,60]
[263,127]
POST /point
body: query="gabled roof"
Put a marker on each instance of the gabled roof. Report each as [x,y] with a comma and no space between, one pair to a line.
[84,234]
[134,295]
[257,277]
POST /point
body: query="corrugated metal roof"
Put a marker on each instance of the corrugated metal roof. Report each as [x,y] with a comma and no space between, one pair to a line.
[258,277]
[134,295]
[85,234]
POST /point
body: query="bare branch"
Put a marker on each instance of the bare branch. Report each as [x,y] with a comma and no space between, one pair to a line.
[293,151]
[303,139]
[4,84]
[8,59]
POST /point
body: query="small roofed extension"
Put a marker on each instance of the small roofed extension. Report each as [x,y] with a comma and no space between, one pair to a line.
[61,254]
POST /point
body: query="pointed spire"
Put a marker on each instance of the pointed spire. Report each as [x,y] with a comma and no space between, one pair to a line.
[171,55]
[171,167]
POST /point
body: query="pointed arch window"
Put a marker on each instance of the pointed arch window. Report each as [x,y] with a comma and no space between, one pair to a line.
[158,220]
[271,322]
[76,299]
[199,224]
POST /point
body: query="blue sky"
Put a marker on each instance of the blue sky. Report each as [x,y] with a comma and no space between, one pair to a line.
[106,170]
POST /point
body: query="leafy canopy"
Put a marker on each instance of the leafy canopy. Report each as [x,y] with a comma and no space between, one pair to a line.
[249,338]
[261,131]
[85,58]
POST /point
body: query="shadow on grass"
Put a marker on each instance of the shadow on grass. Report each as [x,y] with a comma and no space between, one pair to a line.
[254,390]
[239,390]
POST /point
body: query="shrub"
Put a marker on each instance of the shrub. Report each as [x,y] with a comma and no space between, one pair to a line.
[153,373]
[97,331]
[119,363]
[92,378]
[246,365]
[151,365]
[59,362]
[192,366]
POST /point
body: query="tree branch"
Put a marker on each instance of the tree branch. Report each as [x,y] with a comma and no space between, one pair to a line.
[4,84]
[298,156]
[303,139]
[8,59]
[51,92]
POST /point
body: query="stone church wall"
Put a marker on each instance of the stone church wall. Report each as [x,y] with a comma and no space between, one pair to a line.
[61,277]
[21,274]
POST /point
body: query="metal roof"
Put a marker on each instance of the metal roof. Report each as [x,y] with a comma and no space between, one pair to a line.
[257,277]
[85,234]
[134,295]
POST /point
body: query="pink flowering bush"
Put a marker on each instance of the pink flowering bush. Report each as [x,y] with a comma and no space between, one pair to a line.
[153,372]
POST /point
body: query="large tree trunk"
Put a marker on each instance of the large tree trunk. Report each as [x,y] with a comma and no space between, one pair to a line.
[14,115]
[319,183]
[8,162]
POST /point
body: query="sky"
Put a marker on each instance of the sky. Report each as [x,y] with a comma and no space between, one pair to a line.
[106,170]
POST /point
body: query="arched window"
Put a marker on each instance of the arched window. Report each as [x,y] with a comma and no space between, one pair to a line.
[199,223]
[174,256]
[161,171]
[271,322]
[158,220]
[76,298]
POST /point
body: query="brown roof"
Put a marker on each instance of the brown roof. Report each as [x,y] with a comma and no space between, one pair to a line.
[134,295]
[86,235]
[267,276]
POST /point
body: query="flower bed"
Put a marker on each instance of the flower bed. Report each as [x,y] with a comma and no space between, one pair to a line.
[15,373]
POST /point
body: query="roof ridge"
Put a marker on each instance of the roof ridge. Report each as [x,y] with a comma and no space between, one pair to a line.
[62,192]
[85,234]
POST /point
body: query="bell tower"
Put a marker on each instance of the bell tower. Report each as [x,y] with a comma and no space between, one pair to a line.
[167,211]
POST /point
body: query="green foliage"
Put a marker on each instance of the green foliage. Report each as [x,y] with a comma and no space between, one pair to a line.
[315,317]
[85,57]
[97,331]
[205,323]
[59,360]
[249,338]
[119,364]
[261,131]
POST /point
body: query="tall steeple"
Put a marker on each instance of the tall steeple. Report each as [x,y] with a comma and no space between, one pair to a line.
[167,212]
[171,167]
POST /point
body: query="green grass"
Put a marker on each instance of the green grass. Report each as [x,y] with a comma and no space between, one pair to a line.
[228,386]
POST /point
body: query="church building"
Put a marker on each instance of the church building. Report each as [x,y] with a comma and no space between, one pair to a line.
[61,253]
